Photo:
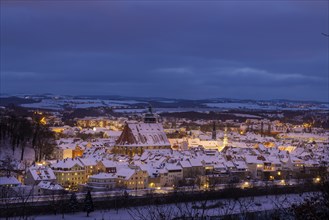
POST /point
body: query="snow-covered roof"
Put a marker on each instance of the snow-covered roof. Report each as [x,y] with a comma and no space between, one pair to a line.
[143,134]
[40,172]
[103,176]
[112,133]
[219,166]
[108,163]
[196,162]
[274,160]
[9,181]
[229,164]
[185,164]
[125,173]
[170,166]
[67,163]
[151,170]
[88,161]
[49,185]
[240,165]
[252,159]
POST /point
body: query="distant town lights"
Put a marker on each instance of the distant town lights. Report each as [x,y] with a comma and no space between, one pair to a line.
[43,120]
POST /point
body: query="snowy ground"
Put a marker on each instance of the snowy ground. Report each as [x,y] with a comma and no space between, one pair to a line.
[77,103]
[58,104]
[170,110]
[219,208]
[256,106]
[6,151]
[247,116]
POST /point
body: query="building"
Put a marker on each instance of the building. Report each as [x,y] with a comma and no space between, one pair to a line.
[90,122]
[139,136]
[10,181]
[89,165]
[132,178]
[77,151]
[69,172]
[102,181]
[46,187]
[173,175]
[37,173]
[106,166]
[213,135]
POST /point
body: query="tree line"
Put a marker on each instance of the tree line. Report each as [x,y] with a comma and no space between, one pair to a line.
[20,132]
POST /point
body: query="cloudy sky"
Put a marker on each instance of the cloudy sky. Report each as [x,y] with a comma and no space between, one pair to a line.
[176,49]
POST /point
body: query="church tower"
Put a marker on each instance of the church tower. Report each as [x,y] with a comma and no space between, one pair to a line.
[214,131]
[150,117]
[225,140]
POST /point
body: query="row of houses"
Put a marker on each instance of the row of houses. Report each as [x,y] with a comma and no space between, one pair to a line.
[168,168]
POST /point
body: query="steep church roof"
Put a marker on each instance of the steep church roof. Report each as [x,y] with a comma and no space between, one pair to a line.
[143,135]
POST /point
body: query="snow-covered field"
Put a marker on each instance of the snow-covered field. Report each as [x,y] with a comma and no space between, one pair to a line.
[57,104]
[255,106]
[226,105]
[6,151]
[216,208]
[247,116]
[161,110]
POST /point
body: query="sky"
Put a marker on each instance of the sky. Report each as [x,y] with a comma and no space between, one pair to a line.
[175,49]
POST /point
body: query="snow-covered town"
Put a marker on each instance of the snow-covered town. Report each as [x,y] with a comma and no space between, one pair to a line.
[147,153]
[164,110]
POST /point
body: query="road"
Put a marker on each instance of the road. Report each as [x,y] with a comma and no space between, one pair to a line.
[140,193]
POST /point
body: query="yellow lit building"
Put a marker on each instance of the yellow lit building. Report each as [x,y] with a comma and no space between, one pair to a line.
[69,172]
[132,178]
[90,165]
[77,152]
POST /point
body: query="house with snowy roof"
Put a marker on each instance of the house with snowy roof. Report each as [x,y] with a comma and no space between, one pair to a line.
[187,168]
[69,172]
[255,164]
[155,175]
[139,136]
[102,181]
[106,166]
[178,144]
[220,167]
[47,187]
[37,173]
[132,178]
[175,173]
[197,165]
[67,148]
[90,165]
[112,135]
[9,181]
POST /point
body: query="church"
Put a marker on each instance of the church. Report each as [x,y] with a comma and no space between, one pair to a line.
[139,136]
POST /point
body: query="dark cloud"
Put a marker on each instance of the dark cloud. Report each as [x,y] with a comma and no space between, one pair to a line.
[173,49]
